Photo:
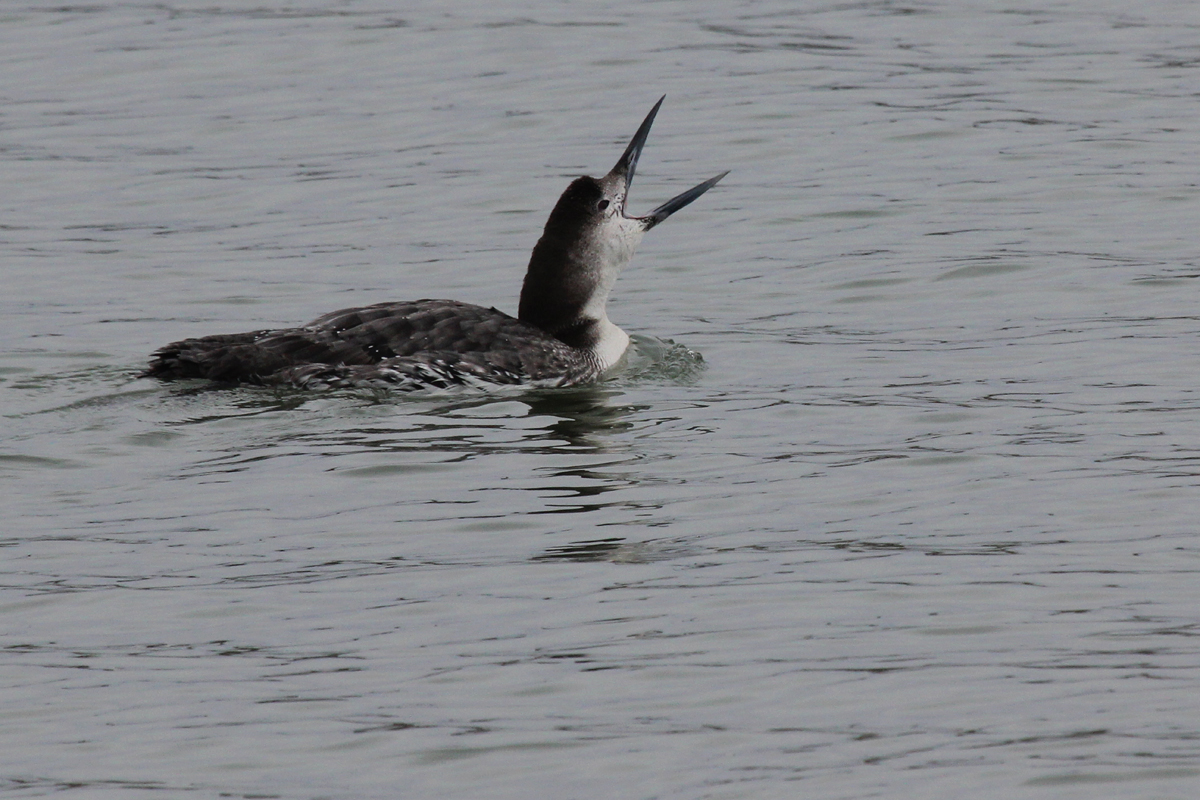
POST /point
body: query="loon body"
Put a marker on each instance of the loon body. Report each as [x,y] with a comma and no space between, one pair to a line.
[561,335]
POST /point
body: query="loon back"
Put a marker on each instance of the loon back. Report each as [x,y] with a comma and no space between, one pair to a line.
[562,335]
[408,345]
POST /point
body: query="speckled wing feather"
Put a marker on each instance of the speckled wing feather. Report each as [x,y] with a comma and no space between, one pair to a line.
[407,345]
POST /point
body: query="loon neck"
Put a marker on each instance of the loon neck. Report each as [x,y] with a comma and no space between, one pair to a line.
[566,293]
[567,297]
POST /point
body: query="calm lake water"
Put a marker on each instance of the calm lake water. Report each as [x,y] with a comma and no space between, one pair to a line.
[923,524]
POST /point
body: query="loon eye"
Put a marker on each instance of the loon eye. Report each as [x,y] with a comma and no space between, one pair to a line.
[603,204]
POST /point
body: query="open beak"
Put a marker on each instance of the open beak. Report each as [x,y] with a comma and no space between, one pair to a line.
[628,163]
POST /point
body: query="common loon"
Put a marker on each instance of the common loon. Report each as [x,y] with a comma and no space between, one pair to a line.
[561,335]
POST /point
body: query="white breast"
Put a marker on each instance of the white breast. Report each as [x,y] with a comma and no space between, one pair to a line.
[612,345]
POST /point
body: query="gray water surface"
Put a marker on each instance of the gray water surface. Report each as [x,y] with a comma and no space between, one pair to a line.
[922,524]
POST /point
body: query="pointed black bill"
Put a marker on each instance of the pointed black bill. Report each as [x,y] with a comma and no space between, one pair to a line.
[679,201]
[628,162]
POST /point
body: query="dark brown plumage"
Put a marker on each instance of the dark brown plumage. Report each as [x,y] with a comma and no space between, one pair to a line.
[406,345]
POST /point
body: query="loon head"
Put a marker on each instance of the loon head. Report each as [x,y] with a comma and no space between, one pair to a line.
[588,239]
